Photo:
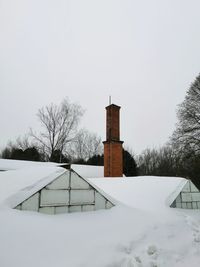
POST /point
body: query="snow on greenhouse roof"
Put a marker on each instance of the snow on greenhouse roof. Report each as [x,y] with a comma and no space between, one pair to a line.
[138,192]
[88,171]
[17,185]
[144,192]
[10,164]
[21,183]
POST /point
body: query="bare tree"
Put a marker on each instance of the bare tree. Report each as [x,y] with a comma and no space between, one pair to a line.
[23,142]
[162,162]
[59,124]
[85,145]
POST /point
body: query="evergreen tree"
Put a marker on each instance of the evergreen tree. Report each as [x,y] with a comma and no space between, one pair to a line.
[97,160]
[129,164]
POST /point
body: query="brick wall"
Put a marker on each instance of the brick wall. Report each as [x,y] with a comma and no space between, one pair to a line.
[112,123]
[113,151]
[113,159]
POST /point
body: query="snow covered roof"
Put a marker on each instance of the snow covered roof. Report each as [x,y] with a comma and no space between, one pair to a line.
[10,164]
[142,192]
[17,185]
[88,171]
[138,192]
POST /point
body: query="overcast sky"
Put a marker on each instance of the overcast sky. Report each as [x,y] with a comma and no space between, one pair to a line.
[144,53]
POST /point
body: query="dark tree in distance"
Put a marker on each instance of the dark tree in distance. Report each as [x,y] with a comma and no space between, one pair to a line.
[57,156]
[97,160]
[17,153]
[30,153]
[129,164]
[159,162]
[6,153]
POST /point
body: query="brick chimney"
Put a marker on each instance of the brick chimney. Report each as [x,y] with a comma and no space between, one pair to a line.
[113,154]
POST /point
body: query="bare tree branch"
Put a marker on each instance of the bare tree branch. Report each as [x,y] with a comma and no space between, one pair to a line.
[59,126]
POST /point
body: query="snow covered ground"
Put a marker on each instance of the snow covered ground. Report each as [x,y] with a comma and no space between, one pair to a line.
[122,236]
[149,234]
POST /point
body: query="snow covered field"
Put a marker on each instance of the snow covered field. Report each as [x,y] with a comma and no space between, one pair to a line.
[122,236]
[141,231]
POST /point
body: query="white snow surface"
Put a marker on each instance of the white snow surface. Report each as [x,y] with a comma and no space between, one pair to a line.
[10,164]
[17,185]
[88,171]
[143,192]
[138,232]
[119,237]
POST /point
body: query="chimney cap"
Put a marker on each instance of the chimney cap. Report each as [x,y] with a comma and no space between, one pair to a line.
[113,106]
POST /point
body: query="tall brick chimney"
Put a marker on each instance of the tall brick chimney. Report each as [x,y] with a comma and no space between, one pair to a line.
[113,154]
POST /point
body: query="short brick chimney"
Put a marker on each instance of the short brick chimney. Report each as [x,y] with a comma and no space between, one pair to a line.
[113,154]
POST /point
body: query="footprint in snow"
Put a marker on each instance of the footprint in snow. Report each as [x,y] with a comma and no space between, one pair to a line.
[134,262]
[152,251]
[128,262]
[195,227]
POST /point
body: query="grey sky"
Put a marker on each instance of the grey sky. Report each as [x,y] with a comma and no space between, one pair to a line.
[144,53]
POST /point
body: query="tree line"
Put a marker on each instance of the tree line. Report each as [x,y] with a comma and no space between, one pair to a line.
[60,140]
